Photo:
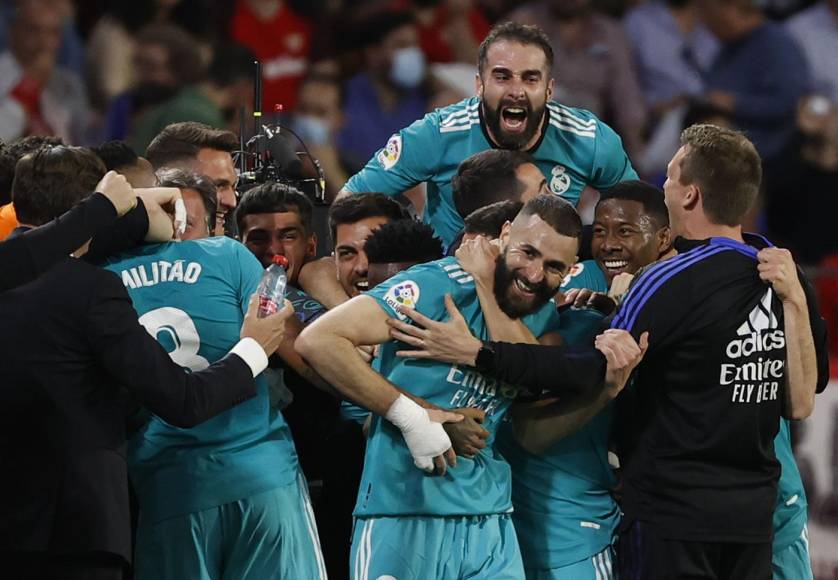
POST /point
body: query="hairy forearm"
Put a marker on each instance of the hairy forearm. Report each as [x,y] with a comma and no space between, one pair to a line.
[537,428]
[801,360]
[335,359]
[502,328]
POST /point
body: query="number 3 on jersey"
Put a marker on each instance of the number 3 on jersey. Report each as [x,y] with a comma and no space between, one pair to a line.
[174,329]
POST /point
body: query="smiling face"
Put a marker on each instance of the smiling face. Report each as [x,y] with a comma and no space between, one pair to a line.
[350,258]
[279,233]
[514,86]
[625,238]
[530,269]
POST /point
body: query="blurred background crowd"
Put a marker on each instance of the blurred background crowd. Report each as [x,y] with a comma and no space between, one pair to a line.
[347,74]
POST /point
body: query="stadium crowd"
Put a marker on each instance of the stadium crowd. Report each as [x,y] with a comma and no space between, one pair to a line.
[559,287]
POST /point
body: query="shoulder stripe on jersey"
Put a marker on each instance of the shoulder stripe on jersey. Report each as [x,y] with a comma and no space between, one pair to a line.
[457,274]
[467,111]
[652,275]
[463,120]
[574,130]
[459,127]
[570,118]
[465,280]
[450,267]
[654,279]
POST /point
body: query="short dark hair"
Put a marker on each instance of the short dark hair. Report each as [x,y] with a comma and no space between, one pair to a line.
[116,154]
[649,196]
[50,181]
[272,197]
[727,169]
[525,34]
[486,178]
[12,153]
[558,213]
[357,206]
[404,240]
[489,220]
[378,25]
[183,141]
[182,179]
[231,62]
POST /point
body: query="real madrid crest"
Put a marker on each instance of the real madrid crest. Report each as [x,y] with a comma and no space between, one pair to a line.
[559,180]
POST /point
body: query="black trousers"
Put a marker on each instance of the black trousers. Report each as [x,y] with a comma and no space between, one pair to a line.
[45,566]
[644,555]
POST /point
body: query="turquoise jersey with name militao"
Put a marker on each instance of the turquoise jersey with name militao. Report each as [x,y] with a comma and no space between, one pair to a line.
[391,484]
[192,296]
[564,511]
[576,149]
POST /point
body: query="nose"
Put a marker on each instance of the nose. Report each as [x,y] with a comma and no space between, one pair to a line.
[362,264]
[226,197]
[612,242]
[534,272]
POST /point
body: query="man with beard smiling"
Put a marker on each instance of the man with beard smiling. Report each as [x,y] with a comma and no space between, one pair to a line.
[512,110]
[406,521]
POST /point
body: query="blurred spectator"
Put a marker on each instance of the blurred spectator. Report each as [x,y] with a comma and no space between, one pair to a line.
[203,150]
[450,30]
[388,94]
[71,50]
[672,49]
[9,156]
[762,98]
[120,157]
[281,39]
[593,67]
[110,49]
[317,121]
[168,66]
[37,97]
[816,31]
[215,101]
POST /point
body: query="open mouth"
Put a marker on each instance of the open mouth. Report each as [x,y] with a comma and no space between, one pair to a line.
[615,265]
[514,119]
[362,285]
[525,287]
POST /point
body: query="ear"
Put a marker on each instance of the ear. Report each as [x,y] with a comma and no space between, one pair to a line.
[311,247]
[664,236]
[504,234]
[692,198]
[550,86]
[478,85]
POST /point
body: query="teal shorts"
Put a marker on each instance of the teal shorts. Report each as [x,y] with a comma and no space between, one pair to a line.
[793,562]
[430,547]
[598,567]
[268,536]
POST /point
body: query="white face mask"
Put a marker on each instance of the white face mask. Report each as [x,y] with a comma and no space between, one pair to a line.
[312,130]
[408,68]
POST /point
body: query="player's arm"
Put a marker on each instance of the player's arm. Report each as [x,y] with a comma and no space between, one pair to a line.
[329,345]
[318,280]
[776,266]
[290,356]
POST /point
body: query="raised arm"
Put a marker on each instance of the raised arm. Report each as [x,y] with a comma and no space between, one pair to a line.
[776,266]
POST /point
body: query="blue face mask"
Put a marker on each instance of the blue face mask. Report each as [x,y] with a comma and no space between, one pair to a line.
[314,131]
[408,68]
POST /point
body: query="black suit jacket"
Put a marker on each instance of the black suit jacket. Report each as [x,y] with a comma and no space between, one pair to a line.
[72,355]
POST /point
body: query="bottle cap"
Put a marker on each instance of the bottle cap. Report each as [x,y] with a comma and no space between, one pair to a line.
[280,260]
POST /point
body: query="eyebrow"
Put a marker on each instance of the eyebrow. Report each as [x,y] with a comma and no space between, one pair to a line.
[505,70]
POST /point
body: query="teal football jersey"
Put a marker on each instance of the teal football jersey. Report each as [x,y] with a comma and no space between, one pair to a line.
[564,511]
[576,150]
[192,297]
[391,484]
[790,514]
